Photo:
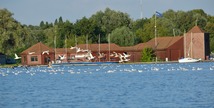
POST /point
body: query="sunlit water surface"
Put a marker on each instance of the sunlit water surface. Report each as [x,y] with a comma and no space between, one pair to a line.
[107,86]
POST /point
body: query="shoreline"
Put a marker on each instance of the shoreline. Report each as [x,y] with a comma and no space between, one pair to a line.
[159,62]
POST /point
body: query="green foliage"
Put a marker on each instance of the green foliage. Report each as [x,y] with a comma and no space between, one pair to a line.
[147,55]
[15,37]
[123,36]
[109,20]
[209,28]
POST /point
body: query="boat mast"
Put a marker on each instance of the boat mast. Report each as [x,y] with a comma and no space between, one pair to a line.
[184,45]
[76,47]
[55,48]
[155,39]
[86,42]
[109,47]
[66,50]
[99,47]
[191,44]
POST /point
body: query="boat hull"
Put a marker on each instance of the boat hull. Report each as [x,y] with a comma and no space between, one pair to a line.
[188,60]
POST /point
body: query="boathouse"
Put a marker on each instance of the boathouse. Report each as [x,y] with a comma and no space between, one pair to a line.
[168,48]
[194,43]
[38,54]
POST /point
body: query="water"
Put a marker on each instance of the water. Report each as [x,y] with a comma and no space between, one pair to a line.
[124,86]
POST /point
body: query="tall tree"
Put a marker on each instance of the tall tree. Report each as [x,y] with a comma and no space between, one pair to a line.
[147,55]
[123,36]
[110,20]
[11,32]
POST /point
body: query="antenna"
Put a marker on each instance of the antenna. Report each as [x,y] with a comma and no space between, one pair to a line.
[141,6]
[196,22]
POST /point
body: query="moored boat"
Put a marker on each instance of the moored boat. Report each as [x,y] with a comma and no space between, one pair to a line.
[188,60]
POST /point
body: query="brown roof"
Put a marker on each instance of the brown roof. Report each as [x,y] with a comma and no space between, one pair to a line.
[128,48]
[63,50]
[196,29]
[140,46]
[103,47]
[162,43]
[37,49]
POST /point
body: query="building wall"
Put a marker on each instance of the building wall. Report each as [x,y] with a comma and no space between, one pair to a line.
[26,59]
[135,56]
[161,54]
[175,54]
[200,49]
[176,51]
[45,59]
[38,62]
[207,45]
[197,49]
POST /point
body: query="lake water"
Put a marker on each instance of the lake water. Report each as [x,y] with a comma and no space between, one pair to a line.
[109,86]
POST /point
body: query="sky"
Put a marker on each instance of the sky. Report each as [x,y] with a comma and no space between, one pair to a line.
[32,12]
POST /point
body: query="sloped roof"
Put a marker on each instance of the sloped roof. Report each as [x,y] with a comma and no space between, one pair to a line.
[63,50]
[140,46]
[196,29]
[37,49]
[127,48]
[103,47]
[162,43]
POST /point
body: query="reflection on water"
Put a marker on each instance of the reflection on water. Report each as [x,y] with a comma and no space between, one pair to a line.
[124,85]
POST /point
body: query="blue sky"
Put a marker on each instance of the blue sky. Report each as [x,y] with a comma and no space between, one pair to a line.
[35,11]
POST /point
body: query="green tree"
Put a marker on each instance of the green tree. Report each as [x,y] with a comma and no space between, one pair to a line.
[147,55]
[11,33]
[109,20]
[123,36]
[209,29]
[138,27]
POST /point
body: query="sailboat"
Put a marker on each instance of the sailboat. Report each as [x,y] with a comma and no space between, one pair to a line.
[188,59]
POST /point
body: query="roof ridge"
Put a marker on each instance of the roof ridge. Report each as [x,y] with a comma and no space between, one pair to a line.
[196,29]
[38,48]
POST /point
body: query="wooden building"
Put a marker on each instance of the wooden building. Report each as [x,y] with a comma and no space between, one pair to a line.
[195,43]
[170,48]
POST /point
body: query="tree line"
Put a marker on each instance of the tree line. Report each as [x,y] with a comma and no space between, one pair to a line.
[110,25]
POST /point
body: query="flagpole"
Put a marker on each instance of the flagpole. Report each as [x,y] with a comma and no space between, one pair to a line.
[155,38]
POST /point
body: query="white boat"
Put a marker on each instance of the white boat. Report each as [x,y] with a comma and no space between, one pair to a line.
[188,60]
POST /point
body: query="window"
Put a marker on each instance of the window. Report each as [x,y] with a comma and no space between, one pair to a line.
[34,58]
